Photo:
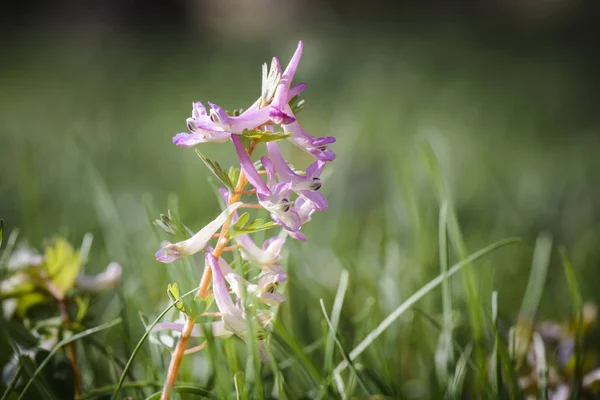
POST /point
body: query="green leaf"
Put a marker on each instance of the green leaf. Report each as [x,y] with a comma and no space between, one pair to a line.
[265,136]
[577,303]
[296,104]
[241,221]
[61,263]
[173,292]
[234,174]
[64,342]
[235,113]
[256,228]
[1,230]
[83,304]
[200,305]
[217,170]
[243,226]
[29,300]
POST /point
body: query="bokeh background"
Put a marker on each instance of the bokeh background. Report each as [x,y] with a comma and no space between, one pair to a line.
[505,92]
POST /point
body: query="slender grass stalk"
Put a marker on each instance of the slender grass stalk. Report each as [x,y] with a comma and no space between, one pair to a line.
[338,302]
[185,389]
[406,305]
[336,338]
[532,297]
[107,389]
[578,316]
[63,343]
[473,300]
[12,383]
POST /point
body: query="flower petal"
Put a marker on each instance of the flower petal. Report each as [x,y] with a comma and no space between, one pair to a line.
[282,168]
[281,97]
[317,199]
[249,168]
[249,119]
[296,90]
[279,117]
[171,252]
[232,316]
[103,281]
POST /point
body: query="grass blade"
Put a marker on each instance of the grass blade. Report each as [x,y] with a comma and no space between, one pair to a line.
[578,317]
[531,300]
[541,366]
[107,389]
[460,373]
[406,305]
[64,342]
[444,354]
[497,382]
[335,318]
[185,389]
[455,234]
[344,354]
[12,383]
[142,340]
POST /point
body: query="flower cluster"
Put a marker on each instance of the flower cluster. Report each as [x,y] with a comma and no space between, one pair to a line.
[289,196]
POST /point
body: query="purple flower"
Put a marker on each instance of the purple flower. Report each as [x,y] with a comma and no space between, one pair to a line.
[233,316]
[217,329]
[315,146]
[264,290]
[279,113]
[304,209]
[265,257]
[306,185]
[273,197]
[103,281]
[170,252]
[216,126]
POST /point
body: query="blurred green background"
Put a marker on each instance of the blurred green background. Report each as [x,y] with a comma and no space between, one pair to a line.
[506,95]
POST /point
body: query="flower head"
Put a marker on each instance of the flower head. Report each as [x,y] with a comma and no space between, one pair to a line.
[265,290]
[105,280]
[265,257]
[234,318]
[306,185]
[170,252]
[217,126]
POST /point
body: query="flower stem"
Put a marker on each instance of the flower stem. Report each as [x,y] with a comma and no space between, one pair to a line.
[71,348]
[177,357]
[180,349]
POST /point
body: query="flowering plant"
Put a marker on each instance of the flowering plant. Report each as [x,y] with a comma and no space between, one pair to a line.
[289,196]
[33,284]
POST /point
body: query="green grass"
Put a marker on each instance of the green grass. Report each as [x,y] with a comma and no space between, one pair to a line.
[85,146]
